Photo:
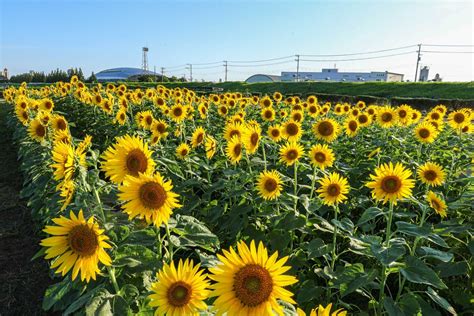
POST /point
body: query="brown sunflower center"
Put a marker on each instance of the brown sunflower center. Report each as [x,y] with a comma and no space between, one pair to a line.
[353,126]
[254,139]
[152,195]
[270,185]
[268,114]
[386,117]
[48,105]
[24,115]
[149,120]
[83,240]
[40,130]
[312,109]
[179,294]
[178,111]
[266,103]
[391,184]
[161,128]
[435,204]
[333,189]
[184,152]
[424,133]
[275,132]
[430,175]
[325,128]
[363,119]
[61,124]
[200,138]
[292,154]
[320,157]
[237,150]
[297,117]
[402,113]
[253,285]
[136,162]
[292,129]
[459,118]
[435,116]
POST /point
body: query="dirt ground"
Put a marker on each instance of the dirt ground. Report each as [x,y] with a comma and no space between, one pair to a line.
[22,281]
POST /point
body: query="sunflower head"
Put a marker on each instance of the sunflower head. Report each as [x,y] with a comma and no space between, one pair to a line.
[437,203]
[180,290]
[386,117]
[291,130]
[326,311]
[326,129]
[425,132]
[251,135]
[291,152]
[198,137]
[234,150]
[148,197]
[182,151]
[431,174]
[391,183]
[79,244]
[269,185]
[274,132]
[333,189]
[128,156]
[321,156]
[211,146]
[249,282]
[37,130]
[351,126]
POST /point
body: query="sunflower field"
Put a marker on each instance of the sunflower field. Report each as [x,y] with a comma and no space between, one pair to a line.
[162,201]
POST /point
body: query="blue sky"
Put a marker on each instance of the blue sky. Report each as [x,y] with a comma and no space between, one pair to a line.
[96,35]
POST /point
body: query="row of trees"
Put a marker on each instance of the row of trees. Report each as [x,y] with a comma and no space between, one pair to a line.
[53,76]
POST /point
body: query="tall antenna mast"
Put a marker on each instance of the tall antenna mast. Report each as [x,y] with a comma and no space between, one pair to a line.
[145,58]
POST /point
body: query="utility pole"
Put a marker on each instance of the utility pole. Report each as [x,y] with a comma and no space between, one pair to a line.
[225,67]
[297,68]
[190,67]
[162,73]
[418,61]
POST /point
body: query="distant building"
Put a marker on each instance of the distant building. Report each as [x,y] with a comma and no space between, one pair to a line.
[424,73]
[124,73]
[333,74]
[4,75]
[263,78]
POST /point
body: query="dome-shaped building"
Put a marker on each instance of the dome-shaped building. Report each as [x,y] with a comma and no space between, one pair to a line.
[262,78]
[123,73]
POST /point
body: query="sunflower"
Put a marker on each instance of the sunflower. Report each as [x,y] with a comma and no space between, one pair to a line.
[333,189]
[46,105]
[222,110]
[179,291]
[249,282]
[202,110]
[291,130]
[159,127]
[59,123]
[269,185]
[67,189]
[437,203]
[182,151]
[78,244]
[297,115]
[326,129]
[274,132]
[37,130]
[234,150]
[291,152]
[351,126]
[121,117]
[198,137]
[62,136]
[364,119]
[268,114]
[434,115]
[313,110]
[211,146]
[178,113]
[251,135]
[22,115]
[128,156]
[326,311]
[404,114]
[458,119]
[425,132]
[391,183]
[266,102]
[277,96]
[431,174]
[321,156]
[415,116]
[63,157]
[232,130]
[386,117]
[148,197]
[312,100]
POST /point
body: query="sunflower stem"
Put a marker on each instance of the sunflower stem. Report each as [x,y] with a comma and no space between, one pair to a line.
[99,204]
[264,156]
[296,185]
[248,161]
[170,244]
[384,269]
[334,238]
[313,182]
[111,272]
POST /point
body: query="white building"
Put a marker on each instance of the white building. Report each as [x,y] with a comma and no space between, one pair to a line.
[334,75]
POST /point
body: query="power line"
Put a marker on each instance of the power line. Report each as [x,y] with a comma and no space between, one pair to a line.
[260,61]
[445,52]
[362,53]
[354,59]
[261,65]
[209,67]
[447,45]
